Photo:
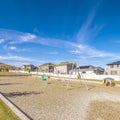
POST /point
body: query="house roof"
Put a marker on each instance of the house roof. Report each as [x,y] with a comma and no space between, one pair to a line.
[28,65]
[47,64]
[99,68]
[114,63]
[65,63]
[86,67]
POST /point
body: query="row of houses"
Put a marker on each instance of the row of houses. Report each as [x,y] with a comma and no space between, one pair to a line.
[67,68]
[64,68]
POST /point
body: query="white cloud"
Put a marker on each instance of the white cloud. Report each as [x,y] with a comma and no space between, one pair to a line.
[89,52]
[75,51]
[18,58]
[2,41]
[27,37]
[82,50]
[12,48]
[14,37]
[18,49]
[86,32]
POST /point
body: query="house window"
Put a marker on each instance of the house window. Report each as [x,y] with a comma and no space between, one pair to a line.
[113,72]
[111,66]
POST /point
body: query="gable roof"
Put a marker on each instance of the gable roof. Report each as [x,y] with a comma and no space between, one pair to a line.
[114,63]
[47,64]
[66,63]
[86,67]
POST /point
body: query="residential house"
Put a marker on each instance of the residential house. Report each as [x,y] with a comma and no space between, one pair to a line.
[64,67]
[47,67]
[99,70]
[28,67]
[90,69]
[113,68]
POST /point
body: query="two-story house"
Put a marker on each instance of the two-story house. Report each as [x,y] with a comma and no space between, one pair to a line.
[64,67]
[91,69]
[113,68]
[47,67]
[28,67]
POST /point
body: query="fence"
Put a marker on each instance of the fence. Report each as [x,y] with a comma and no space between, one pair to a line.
[74,75]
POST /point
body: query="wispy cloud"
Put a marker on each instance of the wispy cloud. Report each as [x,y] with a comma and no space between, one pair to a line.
[87,32]
[14,37]
[1,41]
[82,50]
[73,47]
[12,48]
[27,37]
[89,52]
[18,58]
[8,47]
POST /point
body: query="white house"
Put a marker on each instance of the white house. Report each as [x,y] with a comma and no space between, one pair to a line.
[113,68]
[91,69]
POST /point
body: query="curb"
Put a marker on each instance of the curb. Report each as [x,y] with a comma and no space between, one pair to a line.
[14,108]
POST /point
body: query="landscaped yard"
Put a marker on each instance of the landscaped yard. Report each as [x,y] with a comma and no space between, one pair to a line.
[6,113]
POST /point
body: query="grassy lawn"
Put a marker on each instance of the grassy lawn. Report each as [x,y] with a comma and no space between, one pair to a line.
[6,113]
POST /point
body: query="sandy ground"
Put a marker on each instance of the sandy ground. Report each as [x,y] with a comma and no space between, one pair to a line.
[43,100]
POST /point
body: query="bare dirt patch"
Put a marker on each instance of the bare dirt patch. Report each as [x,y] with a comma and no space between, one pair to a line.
[105,110]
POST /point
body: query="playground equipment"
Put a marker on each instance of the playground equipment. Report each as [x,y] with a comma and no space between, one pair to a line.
[43,78]
[81,79]
[108,81]
[57,77]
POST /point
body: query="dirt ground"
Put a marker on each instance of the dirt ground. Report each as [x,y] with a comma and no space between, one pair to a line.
[49,100]
[105,110]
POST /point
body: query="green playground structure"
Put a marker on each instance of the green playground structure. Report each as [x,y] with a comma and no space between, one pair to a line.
[43,77]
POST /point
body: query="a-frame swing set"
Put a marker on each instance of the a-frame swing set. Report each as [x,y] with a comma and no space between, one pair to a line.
[80,77]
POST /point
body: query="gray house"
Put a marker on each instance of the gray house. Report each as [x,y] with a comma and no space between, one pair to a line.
[47,67]
[91,69]
[29,67]
[113,68]
[64,67]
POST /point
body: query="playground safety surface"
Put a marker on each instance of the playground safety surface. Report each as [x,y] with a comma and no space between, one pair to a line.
[49,100]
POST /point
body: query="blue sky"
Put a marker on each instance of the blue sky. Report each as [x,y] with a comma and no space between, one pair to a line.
[42,31]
